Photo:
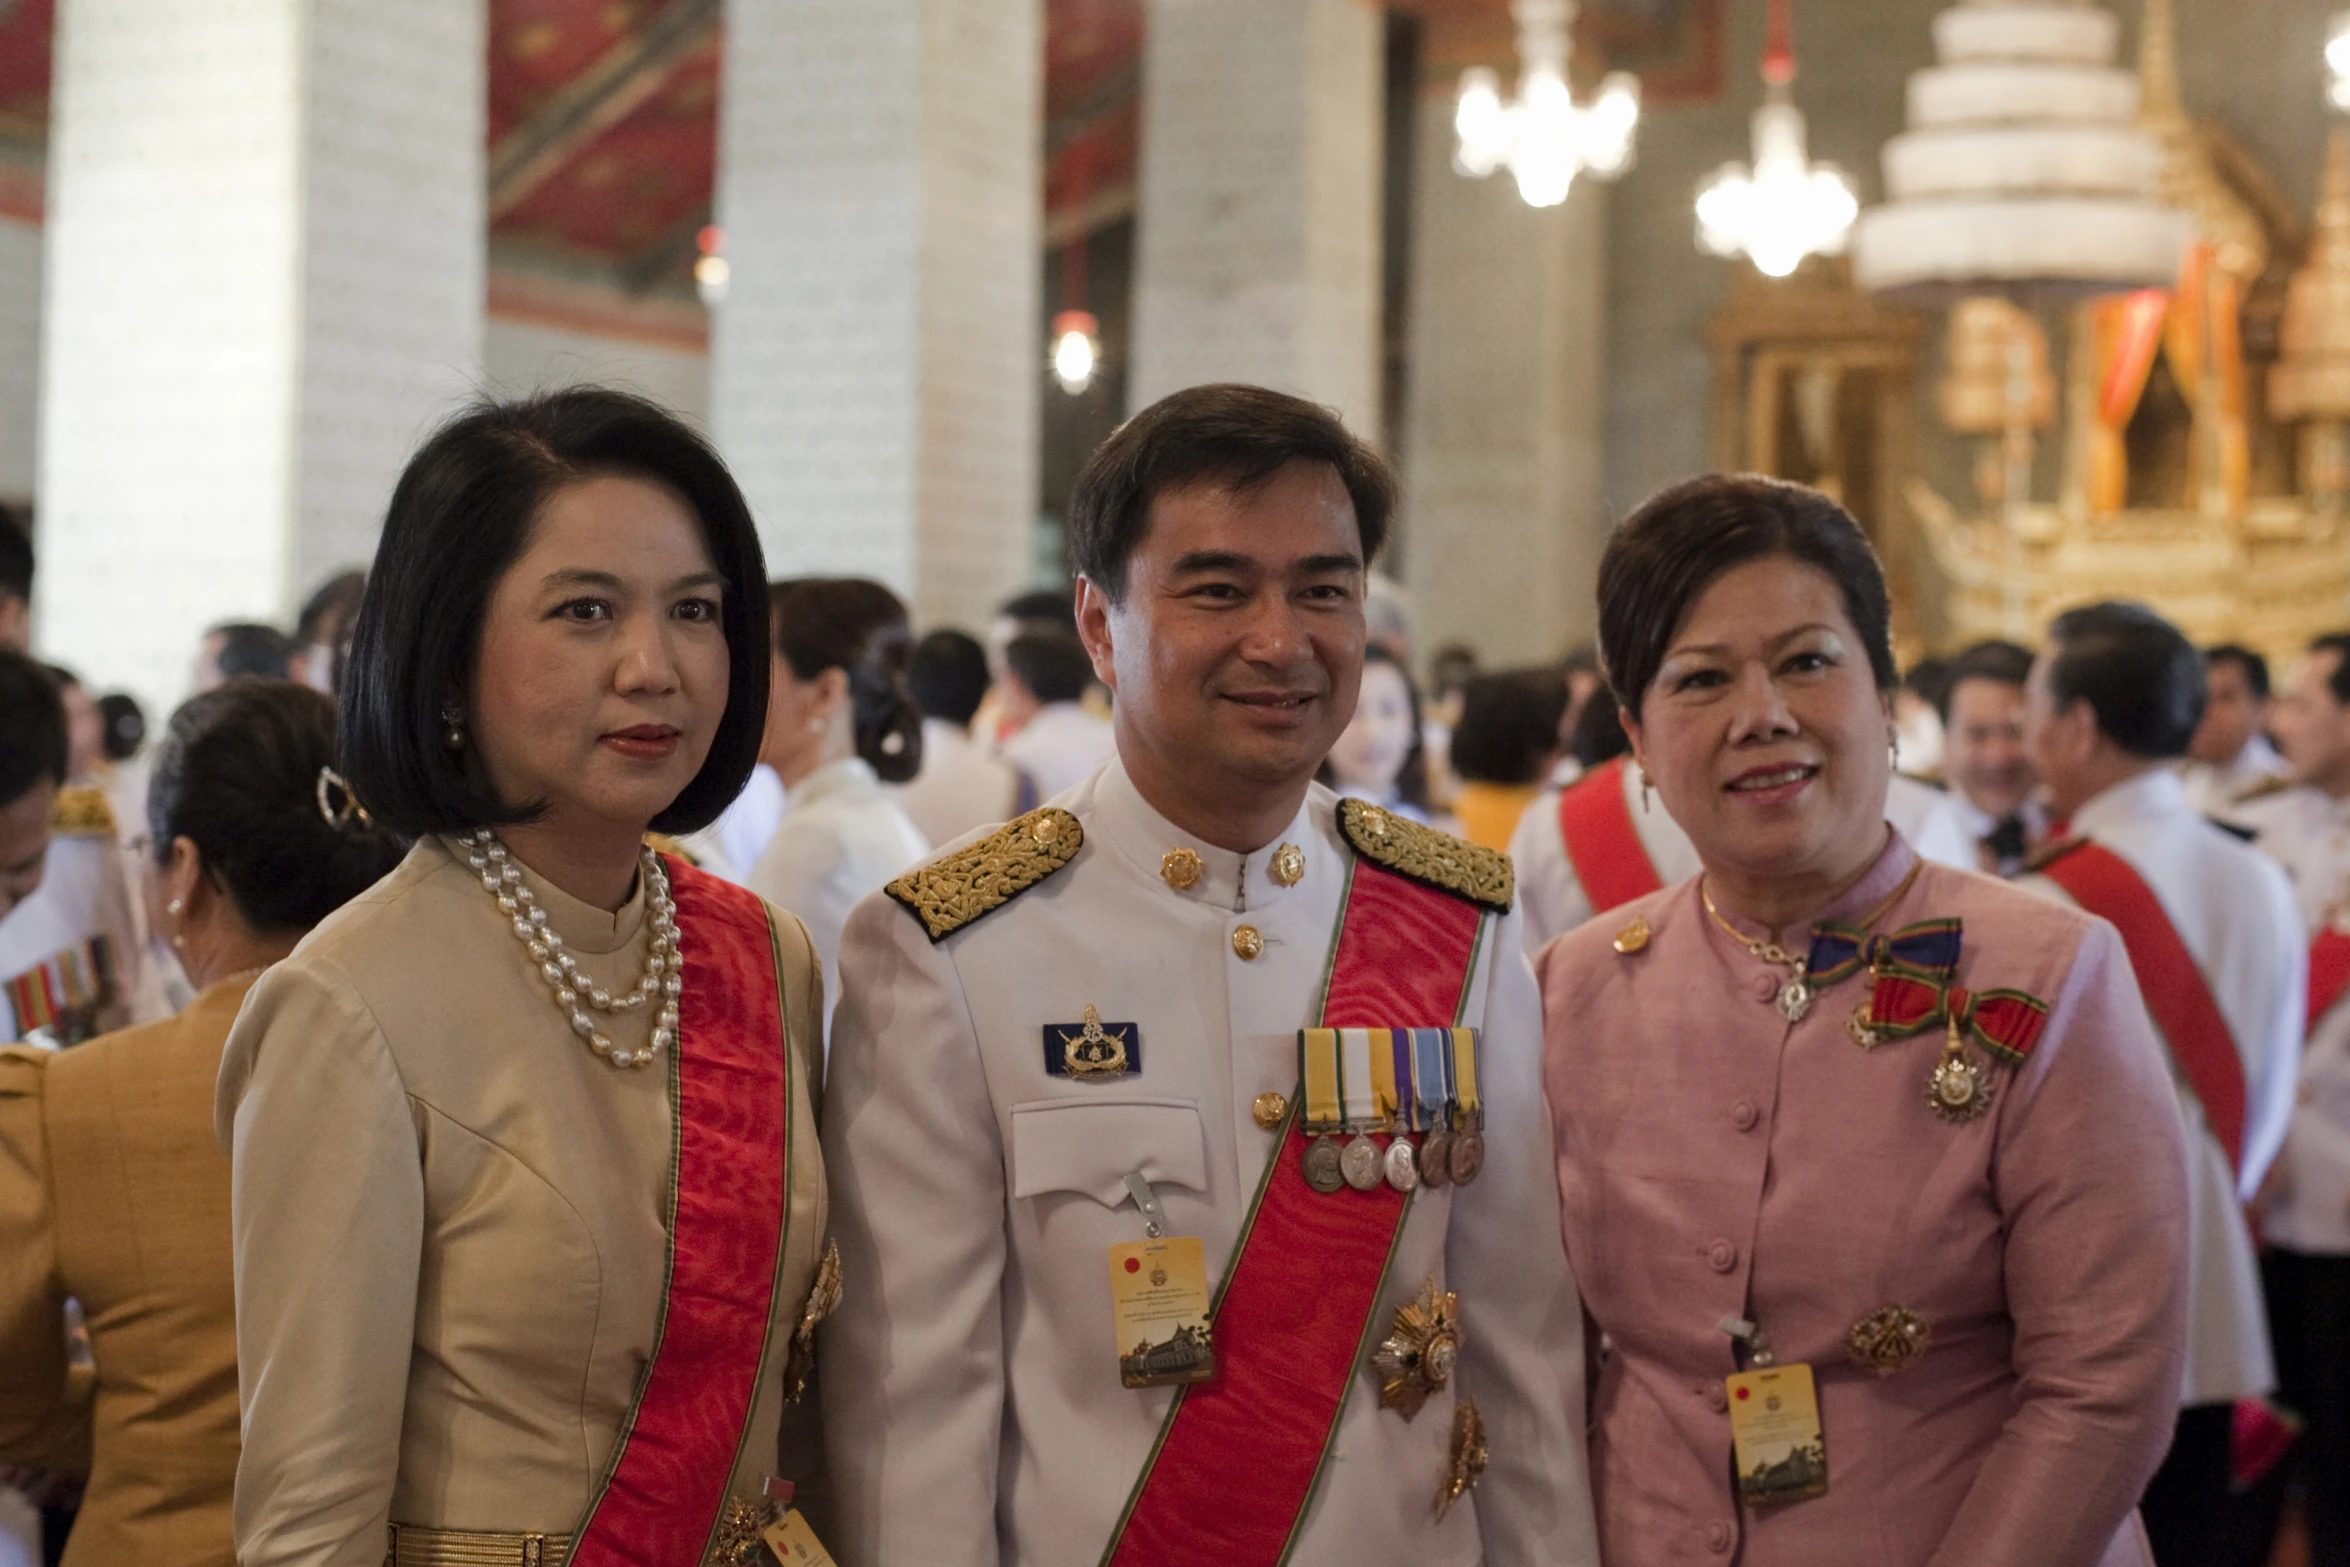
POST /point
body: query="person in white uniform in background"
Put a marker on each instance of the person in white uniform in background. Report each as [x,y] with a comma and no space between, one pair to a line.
[2231,756]
[963,785]
[1992,785]
[1081,1034]
[2218,949]
[840,726]
[1053,737]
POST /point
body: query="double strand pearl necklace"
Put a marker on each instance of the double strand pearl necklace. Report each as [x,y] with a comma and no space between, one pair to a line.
[664,967]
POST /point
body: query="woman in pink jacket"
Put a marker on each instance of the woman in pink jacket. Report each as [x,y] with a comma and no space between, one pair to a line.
[1872,1170]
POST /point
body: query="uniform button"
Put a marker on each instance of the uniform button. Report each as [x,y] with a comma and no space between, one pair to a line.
[1717,1537]
[1247,943]
[1743,1116]
[1270,1110]
[1765,988]
[1721,1256]
[1715,1399]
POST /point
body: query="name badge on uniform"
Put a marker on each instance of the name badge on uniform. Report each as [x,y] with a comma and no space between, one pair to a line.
[1159,1300]
[1092,1051]
[794,1543]
[1775,1426]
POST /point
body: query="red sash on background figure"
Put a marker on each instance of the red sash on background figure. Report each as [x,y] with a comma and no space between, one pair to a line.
[730,1091]
[1603,843]
[2176,993]
[1239,1455]
[2329,972]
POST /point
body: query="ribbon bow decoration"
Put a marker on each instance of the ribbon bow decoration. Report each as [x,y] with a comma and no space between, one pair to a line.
[2006,1022]
[1928,948]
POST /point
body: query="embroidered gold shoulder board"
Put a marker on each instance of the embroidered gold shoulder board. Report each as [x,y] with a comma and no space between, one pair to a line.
[1457,866]
[950,893]
[81,813]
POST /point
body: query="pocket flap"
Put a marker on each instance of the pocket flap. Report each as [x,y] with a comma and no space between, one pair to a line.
[1091,1145]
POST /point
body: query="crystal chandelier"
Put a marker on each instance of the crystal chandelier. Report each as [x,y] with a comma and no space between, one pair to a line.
[1786,207]
[1543,136]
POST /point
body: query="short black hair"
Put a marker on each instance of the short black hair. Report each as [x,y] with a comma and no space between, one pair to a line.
[249,648]
[126,725]
[1670,550]
[1509,728]
[860,628]
[2338,644]
[1929,681]
[1598,735]
[238,774]
[16,554]
[2139,674]
[948,675]
[1052,664]
[32,727]
[1047,606]
[2255,666]
[1227,435]
[2005,662]
[460,516]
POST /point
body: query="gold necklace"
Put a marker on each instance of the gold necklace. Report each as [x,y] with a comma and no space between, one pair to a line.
[1795,996]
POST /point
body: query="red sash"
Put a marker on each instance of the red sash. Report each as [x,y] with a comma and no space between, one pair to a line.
[2329,972]
[1603,843]
[730,1092]
[2104,883]
[1238,1457]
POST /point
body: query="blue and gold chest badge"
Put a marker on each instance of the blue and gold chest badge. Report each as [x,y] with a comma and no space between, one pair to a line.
[1092,1051]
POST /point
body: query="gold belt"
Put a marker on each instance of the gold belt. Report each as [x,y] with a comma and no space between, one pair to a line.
[414,1547]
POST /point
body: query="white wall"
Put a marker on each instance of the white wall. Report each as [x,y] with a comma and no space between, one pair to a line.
[521,356]
[20,354]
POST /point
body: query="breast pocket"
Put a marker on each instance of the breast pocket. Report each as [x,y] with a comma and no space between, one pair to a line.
[1089,1146]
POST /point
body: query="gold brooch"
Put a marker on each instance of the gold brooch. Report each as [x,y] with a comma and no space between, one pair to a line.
[1180,869]
[823,1300]
[1468,1458]
[1632,937]
[1887,1340]
[1093,1052]
[1289,865]
[1420,1352]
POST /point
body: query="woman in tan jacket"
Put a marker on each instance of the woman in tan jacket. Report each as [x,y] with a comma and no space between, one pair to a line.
[116,1194]
[528,1199]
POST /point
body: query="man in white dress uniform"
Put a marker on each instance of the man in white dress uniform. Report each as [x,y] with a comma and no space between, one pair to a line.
[1082,1035]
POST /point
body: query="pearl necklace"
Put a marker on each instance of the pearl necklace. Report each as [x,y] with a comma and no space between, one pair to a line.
[664,966]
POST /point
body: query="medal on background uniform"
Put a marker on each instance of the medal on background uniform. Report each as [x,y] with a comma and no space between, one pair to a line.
[1467,1155]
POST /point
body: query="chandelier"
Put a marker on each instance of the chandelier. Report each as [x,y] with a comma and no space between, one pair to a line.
[1786,207]
[1542,136]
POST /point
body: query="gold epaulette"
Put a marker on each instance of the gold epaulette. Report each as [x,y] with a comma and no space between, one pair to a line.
[980,878]
[2261,791]
[662,843]
[2049,853]
[1452,864]
[81,812]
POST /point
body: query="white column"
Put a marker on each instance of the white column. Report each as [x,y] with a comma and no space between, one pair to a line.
[874,369]
[1258,201]
[265,269]
[1502,411]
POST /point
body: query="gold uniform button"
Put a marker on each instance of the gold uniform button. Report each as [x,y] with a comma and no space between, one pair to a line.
[1180,869]
[1288,865]
[1247,943]
[1270,1110]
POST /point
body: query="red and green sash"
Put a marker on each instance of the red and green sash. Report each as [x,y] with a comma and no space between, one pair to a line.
[1239,1456]
[730,1094]
[1603,842]
[2329,972]
[2176,993]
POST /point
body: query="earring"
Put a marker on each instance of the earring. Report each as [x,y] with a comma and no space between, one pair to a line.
[1893,745]
[1644,788]
[174,908]
[453,726]
[817,726]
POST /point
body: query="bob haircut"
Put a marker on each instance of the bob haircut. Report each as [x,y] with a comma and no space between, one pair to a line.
[460,516]
[1670,551]
[1229,436]
[2139,674]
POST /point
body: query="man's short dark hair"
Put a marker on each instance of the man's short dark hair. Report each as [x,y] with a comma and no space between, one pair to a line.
[2338,682]
[1509,728]
[126,725]
[249,648]
[2138,673]
[2003,662]
[1051,664]
[1043,606]
[32,727]
[1229,436]
[16,554]
[948,675]
[460,517]
[2255,666]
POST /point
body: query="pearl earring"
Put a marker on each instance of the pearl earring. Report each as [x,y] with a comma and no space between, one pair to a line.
[453,726]
[174,907]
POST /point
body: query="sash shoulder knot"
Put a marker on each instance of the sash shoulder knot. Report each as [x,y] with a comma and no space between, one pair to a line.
[950,893]
[1466,870]
[2049,853]
[81,813]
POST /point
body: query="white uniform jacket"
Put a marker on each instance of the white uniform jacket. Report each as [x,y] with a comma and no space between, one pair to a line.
[2234,912]
[51,971]
[1553,894]
[2308,1204]
[972,1403]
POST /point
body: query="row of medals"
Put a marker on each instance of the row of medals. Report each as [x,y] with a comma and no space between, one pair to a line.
[1957,1089]
[1443,1157]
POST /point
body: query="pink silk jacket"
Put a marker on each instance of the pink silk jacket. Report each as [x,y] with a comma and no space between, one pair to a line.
[1716,1162]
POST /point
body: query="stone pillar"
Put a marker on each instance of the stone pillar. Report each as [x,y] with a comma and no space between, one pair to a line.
[265,270]
[875,366]
[1502,412]
[1258,201]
